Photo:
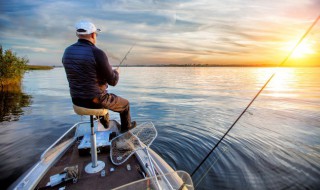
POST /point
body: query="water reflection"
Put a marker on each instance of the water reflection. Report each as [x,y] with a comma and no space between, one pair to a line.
[281,85]
[274,146]
[12,100]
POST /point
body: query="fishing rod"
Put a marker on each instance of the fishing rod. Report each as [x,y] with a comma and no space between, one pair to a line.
[125,57]
[262,88]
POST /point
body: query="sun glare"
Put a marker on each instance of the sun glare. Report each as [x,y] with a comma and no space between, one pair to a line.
[283,82]
[302,51]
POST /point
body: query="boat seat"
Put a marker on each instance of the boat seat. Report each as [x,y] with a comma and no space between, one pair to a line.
[87,111]
[95,165]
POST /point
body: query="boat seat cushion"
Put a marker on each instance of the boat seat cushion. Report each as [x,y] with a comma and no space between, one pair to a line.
[87,111]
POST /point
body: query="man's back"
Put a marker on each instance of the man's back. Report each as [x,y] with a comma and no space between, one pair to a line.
[80,67]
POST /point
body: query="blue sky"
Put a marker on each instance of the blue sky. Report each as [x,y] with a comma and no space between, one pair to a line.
[166,32]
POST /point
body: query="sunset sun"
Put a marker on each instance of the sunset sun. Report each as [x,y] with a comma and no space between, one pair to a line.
[305,54]
[303,50]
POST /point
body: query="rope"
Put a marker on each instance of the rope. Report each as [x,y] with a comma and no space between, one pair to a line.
[301,39]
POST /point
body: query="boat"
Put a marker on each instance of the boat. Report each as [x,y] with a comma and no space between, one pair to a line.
[110,160]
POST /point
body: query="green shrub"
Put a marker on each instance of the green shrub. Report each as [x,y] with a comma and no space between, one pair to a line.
[12,67]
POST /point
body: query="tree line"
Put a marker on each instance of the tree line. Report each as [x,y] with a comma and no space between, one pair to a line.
[12,67]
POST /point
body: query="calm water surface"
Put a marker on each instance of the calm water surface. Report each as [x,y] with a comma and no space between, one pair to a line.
[275,145]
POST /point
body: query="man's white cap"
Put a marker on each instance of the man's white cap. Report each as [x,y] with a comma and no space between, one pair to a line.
[85,27]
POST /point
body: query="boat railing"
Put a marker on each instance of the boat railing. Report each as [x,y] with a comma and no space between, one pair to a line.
[178,180]
[77,130]
[67,138]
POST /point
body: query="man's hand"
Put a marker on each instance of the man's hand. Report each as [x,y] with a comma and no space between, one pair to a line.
[118,70]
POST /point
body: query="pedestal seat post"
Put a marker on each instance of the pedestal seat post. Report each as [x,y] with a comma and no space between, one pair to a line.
[95,165]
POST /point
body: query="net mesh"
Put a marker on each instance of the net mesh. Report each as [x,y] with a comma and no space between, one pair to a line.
[178,180]
[123,146]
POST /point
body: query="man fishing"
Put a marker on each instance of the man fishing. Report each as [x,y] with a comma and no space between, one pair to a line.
[89,73]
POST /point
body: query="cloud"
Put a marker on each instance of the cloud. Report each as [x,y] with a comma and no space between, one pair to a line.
[32,49]
[178,29]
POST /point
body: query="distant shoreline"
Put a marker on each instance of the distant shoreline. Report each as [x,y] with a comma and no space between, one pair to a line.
[211,66]
[191,66]
[204,66]
[39,67]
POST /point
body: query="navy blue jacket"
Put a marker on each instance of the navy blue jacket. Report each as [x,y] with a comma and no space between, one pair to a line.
[88,72]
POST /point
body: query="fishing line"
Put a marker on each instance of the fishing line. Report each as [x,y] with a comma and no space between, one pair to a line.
[262,88]
[213,163]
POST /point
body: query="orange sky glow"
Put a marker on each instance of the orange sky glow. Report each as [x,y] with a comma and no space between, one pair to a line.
[168,32]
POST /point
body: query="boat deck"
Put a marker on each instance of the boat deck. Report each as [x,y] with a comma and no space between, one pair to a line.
[118,177]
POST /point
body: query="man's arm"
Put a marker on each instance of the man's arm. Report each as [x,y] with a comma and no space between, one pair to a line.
[104,69]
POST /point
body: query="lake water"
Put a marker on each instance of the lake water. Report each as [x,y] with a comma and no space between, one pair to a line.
[275,145]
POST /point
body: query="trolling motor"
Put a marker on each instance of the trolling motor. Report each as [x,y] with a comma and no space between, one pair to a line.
[68,174]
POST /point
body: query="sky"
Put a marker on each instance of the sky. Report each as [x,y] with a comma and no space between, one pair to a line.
[219,32]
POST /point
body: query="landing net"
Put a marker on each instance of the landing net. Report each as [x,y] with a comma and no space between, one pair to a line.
[123,146]
[178,180]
